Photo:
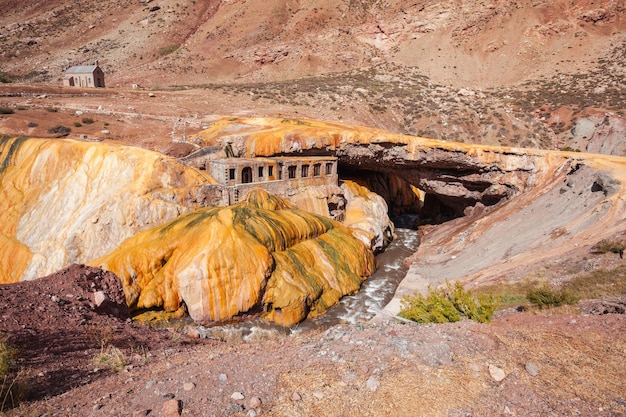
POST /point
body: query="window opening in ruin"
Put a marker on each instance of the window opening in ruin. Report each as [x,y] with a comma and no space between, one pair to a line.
[246,175]
[316,170]
[260,172]
[231,174]
[329,168]
[305,171]
[292,171]
[280,171]
[270,171]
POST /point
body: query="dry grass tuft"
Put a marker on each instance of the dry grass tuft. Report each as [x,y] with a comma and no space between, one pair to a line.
[599,283]
[12,384]
[111,358]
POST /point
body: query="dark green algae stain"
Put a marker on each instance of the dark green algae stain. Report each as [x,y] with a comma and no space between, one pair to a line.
[6,155]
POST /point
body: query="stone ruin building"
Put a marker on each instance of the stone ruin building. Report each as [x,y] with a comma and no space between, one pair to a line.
[281,176]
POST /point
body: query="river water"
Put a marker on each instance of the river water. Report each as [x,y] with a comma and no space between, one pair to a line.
[376,291]
[374,294]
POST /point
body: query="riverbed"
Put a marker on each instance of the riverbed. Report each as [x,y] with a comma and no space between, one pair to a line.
[359,308]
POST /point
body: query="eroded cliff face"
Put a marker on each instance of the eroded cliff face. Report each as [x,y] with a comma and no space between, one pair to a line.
[66,201]
[261,255]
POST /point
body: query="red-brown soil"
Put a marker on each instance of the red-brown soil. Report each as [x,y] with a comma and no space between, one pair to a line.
[556,362]
[57,328]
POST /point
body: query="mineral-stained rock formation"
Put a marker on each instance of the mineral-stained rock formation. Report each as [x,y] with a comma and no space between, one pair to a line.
[458,175]
[366,216]
[65,201]
[222,262]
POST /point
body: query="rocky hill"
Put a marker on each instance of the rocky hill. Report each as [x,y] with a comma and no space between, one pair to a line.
[465,44]
[525,73]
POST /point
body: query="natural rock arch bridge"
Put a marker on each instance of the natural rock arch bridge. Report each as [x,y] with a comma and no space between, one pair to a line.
[452,177]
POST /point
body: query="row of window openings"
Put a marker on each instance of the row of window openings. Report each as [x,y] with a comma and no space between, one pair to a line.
[246,172]
[88,80]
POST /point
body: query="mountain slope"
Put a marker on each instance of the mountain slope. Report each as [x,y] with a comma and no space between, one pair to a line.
[469,43]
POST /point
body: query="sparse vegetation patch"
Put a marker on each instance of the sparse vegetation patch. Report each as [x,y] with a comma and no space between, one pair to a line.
[545,296]
[6,357]
[599,283]
[110,357]
[12,388]
[166,50]
[448,305]
[59,130]
[610,245]
[4,79]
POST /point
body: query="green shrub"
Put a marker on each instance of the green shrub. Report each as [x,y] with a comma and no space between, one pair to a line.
[87,120]
[51,109]
[545,296]
[77,124]
[448,305]
[6,110]
[4,79]
[166,50]
[477,307]
[60,130]
[32,124]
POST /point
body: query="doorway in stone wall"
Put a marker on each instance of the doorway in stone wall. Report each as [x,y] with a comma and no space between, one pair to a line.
[246,175]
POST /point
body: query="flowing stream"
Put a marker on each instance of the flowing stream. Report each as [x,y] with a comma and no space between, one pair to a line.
[374,294]
[376,291]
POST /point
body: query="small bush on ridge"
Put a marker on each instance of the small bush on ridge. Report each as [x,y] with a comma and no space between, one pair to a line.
[111,357]
[545,296]
[60,130]
[609,245]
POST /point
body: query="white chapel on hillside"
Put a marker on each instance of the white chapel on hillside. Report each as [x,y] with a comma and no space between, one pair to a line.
[84,76]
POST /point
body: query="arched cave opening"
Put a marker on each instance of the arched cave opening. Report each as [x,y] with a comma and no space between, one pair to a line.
[409,207]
